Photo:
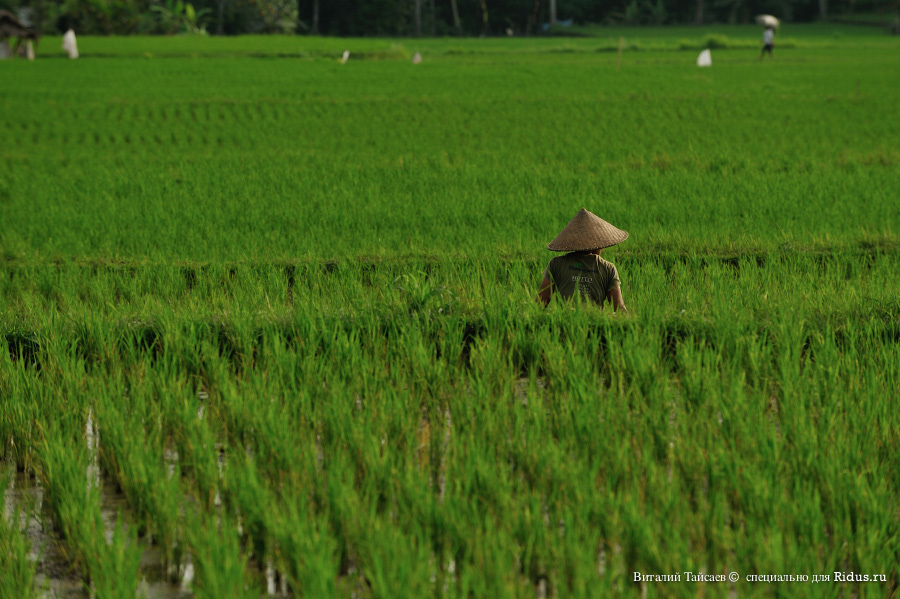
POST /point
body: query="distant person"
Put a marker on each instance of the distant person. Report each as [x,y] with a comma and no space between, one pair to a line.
[582,273]
[69,44]
[26,36]
[768,42]
[27,50]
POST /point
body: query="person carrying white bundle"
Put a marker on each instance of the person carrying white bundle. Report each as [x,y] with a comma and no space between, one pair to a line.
[69,44]
[705,59]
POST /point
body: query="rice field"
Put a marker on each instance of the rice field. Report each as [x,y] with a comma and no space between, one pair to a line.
[268,323]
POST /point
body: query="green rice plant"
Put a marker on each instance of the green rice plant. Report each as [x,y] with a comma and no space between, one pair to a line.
[307,552]
[110,566]
[131,453]
[197,449]
[219,567]
[15,552]
[18,426]
[113,565]
[395,565]
[253,507]
[72,499]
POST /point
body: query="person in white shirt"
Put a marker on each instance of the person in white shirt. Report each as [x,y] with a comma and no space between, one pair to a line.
[768,42]
[69,44]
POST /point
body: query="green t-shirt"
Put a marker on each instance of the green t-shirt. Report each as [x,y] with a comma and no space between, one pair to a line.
[589,274]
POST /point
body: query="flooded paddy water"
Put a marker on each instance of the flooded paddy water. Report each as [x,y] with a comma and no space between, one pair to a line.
[56,578]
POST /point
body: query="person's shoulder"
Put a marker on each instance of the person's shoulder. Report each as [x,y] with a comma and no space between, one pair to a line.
[608,267]
[605,264]
[553,266]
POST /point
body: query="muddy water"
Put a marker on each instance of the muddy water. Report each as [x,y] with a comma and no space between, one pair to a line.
[55,578]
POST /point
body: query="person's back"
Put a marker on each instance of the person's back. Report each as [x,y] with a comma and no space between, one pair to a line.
[583,274]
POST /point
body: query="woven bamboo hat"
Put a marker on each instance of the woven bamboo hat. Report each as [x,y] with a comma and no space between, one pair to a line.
[587,232]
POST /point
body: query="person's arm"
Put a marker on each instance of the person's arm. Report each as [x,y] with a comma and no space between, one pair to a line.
[546,288]
[615,298]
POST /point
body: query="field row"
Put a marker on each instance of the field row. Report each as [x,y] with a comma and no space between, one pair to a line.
[612,118]
[281,160]
[196,209]
[199,127]
[569,450]
[705,285]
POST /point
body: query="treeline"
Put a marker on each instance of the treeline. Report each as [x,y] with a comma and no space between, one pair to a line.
[405,17]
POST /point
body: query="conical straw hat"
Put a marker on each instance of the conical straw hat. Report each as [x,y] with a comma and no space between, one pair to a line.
[587,232]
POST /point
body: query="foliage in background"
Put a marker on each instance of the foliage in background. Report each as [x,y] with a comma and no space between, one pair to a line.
[273,16]
[176,16]
[397,17]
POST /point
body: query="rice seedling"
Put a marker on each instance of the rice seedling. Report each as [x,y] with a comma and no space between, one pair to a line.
[307,552]
[113,565]
[15,551]
[218,563]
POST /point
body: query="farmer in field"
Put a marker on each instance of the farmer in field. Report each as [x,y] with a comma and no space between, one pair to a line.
[768,42]
[582,273]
